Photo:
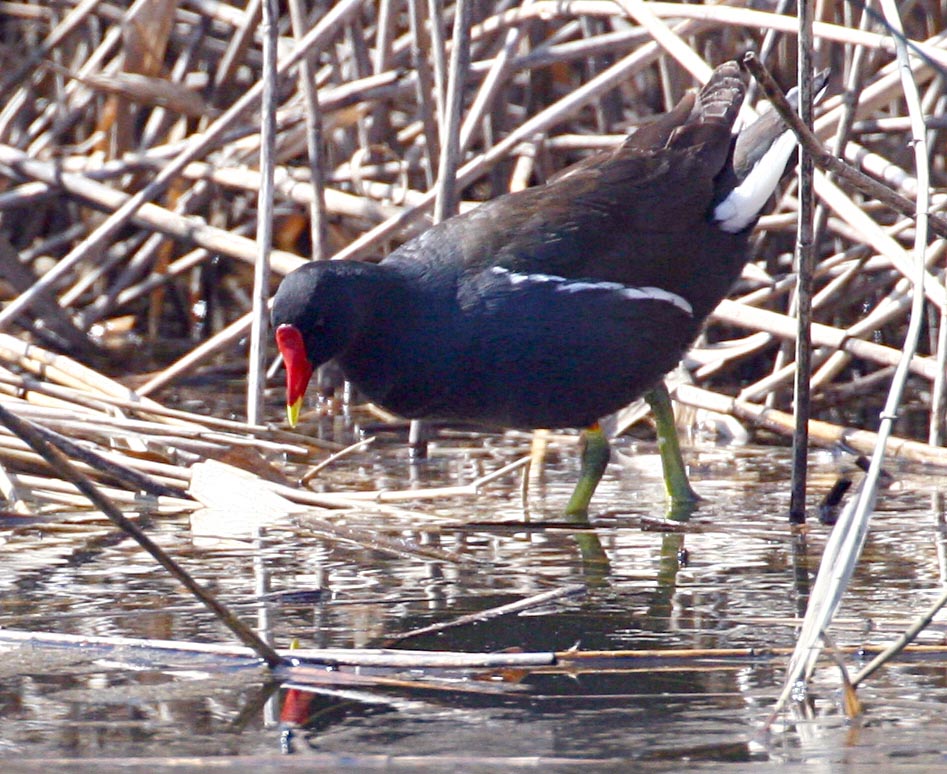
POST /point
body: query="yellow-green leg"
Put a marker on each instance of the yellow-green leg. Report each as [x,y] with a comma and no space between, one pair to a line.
[595,454]
[681,497]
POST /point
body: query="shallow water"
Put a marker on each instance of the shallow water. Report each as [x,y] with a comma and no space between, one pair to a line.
[733,576]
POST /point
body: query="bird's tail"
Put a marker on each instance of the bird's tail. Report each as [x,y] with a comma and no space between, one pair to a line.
[698,116]
[760,154]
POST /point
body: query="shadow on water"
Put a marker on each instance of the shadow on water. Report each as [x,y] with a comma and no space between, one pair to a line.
[732,576]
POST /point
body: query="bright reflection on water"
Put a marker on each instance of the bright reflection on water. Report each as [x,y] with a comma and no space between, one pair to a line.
[731,577]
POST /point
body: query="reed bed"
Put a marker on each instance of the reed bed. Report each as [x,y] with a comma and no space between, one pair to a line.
[130,147]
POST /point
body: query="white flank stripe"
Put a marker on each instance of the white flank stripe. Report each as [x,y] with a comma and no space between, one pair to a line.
[744,202]
[578,286]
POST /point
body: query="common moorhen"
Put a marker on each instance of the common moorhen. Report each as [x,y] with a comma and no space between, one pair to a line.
[553,306]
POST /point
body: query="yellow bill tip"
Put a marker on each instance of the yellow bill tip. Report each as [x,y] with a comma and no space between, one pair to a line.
[292,412]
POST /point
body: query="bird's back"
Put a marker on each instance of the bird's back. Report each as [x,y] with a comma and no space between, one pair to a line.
[640,215]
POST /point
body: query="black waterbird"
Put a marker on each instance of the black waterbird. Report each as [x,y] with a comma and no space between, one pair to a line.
[557,305]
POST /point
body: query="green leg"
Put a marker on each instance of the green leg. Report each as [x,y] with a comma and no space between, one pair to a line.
[595,454]
[681,497]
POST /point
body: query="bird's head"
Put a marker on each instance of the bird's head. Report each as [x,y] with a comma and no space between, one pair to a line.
[314,317]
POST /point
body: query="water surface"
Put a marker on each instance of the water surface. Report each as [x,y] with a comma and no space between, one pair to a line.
[731,577]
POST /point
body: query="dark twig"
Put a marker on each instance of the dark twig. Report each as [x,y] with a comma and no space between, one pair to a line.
[805,268]
[110,468]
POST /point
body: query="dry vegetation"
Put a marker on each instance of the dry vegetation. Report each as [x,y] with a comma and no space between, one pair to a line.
[158,104]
